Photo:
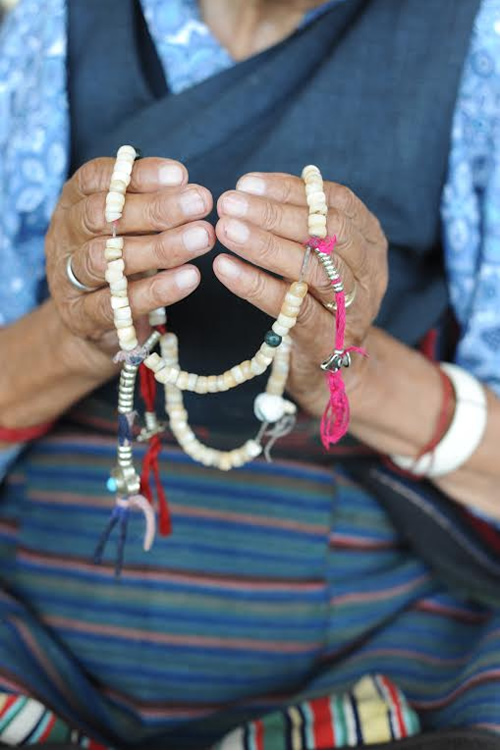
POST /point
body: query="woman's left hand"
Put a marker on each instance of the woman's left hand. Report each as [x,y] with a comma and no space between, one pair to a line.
[264,222]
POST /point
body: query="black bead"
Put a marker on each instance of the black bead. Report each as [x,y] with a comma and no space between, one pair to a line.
[272,339]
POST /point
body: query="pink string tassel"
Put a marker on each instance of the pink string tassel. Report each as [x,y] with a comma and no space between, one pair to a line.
[335,420]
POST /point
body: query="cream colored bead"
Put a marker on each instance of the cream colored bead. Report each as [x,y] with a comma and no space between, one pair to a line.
[123,177]
[178,412]
[174,397]
[221,383]
[126,334]
[182,380]
[279,329]
[317,219]
[118,302]
[123,313]
[158,317]
[118,265]
[247,370]
[154,362]
[129,344]
[114,199]
[225,463]
[191,383]
[124,165]
[118,186]
[286,321]
[316,196]
[229,380]
[256,367]
[309,170]
[290,310]
[112,276]
[275,386]
[113,216]
[126,151]
[115,242]
[267,351]
[124,323]
[170,342]
[238,458]
[299,289]
[262,359]
[292,300]
[112,254]
[314,186]
[237,373]
[212,384]
[253,449]
[202,385]
[118,290]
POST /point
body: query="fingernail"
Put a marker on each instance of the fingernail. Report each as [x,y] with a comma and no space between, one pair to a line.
[227,267]
[252,184]
[191,202]
[235,205]
[186,279]
[237,231]
[196,238]
[170,175]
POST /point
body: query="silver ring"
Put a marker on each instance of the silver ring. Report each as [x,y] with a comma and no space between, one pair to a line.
[74,281]
[349,299]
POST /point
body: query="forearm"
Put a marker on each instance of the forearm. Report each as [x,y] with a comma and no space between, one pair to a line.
[395,406]
[45,369]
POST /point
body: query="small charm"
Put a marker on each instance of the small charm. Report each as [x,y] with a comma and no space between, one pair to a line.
[336,361]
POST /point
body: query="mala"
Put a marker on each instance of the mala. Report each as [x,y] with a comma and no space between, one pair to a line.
[133,491]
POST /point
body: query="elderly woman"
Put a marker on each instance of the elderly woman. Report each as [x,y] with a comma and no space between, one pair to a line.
[287,582]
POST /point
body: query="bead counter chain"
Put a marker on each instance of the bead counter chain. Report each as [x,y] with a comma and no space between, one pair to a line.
[276,414]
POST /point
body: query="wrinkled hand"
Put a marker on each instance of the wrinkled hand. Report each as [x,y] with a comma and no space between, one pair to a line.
[161,228]
[265,223]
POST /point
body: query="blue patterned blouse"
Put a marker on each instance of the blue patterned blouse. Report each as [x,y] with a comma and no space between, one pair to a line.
[34,137]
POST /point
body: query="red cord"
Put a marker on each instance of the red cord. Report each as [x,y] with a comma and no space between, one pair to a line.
[150,463]
[23,435]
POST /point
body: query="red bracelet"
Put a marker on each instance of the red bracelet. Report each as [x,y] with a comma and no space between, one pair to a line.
[23,435]
[442,425]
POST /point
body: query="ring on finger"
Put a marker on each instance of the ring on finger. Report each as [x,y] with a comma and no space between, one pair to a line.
[74,280]
[349,299]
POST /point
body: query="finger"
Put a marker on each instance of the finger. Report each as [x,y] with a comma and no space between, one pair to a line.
[285,257]
[148,176]
[143,253]
[288,189]
[143,213]
[267,293]
[145,295]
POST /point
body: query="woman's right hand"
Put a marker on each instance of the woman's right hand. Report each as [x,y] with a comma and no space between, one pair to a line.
[162,229]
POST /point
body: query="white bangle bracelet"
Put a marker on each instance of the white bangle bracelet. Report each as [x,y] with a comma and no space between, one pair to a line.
[464,434]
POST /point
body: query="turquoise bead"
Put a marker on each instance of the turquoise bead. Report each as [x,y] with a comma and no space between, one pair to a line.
[111,484]
[272,339]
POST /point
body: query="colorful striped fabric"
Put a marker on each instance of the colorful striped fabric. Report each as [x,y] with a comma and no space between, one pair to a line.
[281,583]
[373,712]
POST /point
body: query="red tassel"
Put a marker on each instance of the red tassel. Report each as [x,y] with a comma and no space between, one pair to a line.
[150,463]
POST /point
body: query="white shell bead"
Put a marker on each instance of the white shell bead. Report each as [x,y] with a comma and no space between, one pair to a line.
[113,276]
[124,177]
[113,216]
[154,362]
[287,321]
[123,324]
[126,151]
[118,302]
[279,329]
[238,374]
[123,313]
[124,165]
[112,254]
[118,265]
[118,186]
[269,407]
[115,242]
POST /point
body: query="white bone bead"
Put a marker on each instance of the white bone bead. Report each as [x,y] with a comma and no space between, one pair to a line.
[154,362]
[170,341]
[299,289]
[178,413]
[288,321]
[182,380]
[118,302]
[221,383]
[267,351]
[310,169]
[112,254]
[118,186]
[124,323]
[126,334]
[124,165]
[225,463]
[113,216]
[212,384]
[262,359]
[118,265]
[269,407]
[315,197]
[191,382]
[123,177]
[113,276]
[158,317]
[115,199]
[129,345]
[253,449]
[115,242]
[126,151]
[119,288]
[201,385]
[238,374]
[279,329]
[123,313]
[256,367]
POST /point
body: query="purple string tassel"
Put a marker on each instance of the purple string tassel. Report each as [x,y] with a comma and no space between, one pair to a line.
[119,516]
[125,423]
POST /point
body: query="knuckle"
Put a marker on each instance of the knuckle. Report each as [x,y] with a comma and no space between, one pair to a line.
[308,311]
[158,211]
[93,213]
[256,286]
[87,176]
[268,246]
[161,249]
[93,261]
[272,215]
